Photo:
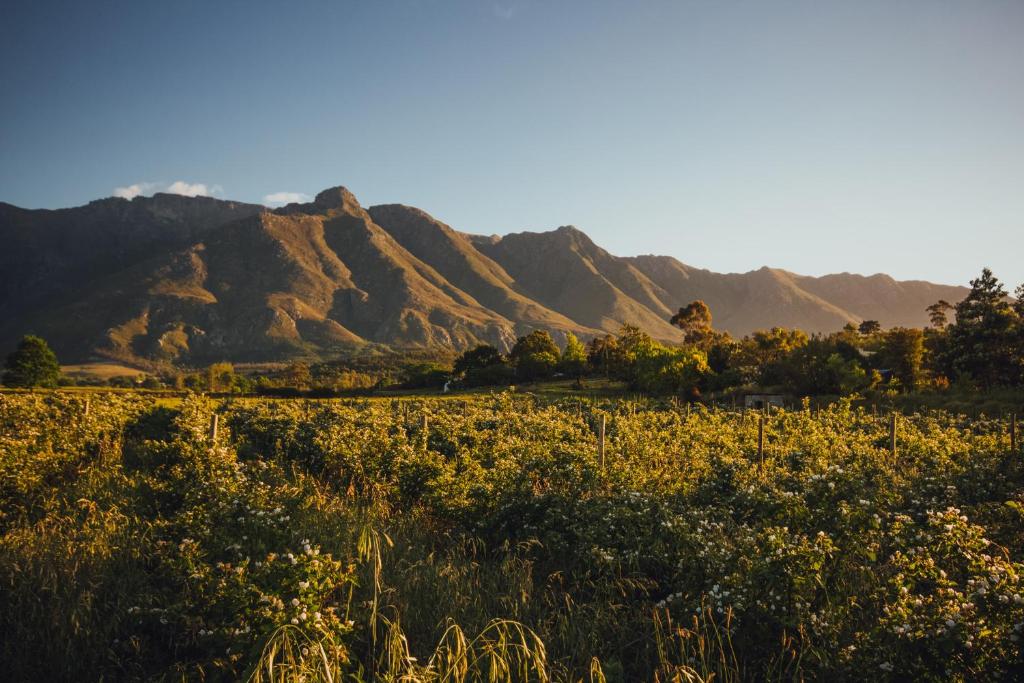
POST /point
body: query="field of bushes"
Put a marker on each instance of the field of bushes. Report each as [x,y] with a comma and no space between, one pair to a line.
[486,539]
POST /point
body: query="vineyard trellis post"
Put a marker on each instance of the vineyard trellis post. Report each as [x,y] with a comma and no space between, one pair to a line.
[1013,433]
[760,439]
[87,405]
[600,442]
[214,423]
[892,434]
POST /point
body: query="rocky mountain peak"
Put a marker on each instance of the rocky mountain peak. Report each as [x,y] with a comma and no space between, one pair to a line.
[336,198]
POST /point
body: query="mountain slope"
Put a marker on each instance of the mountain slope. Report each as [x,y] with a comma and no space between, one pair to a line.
[453,255]
[196,279]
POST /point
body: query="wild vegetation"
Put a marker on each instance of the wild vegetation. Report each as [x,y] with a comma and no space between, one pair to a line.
[453,540]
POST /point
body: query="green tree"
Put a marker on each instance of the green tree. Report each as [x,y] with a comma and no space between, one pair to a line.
[938,313]
[870,328]
[824,365]
[477,358]
[220,377]
[660,369]
[574,357]
[694,320]
[298,376]
[535,356]
[762,353]
[32,364]
[604,355]
[903,352]
[984,342]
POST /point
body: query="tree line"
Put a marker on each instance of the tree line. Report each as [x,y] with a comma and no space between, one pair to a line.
[976,344]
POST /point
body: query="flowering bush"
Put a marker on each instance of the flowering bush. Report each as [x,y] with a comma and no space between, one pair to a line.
[371,539]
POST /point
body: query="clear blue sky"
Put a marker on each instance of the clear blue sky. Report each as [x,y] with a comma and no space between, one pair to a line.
[814,136]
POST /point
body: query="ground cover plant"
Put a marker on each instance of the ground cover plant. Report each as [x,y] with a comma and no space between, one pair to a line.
[483,539]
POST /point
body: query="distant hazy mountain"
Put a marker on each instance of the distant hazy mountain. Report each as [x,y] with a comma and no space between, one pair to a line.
[196,279]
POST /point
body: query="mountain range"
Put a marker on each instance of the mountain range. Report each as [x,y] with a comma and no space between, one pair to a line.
[191,280]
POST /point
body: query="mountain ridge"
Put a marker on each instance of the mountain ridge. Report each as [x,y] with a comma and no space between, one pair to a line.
[195,279]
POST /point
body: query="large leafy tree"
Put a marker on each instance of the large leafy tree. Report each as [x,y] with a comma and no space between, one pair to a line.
[535,356]
[984,342]
[938,313]
[32,364]
[574,357]
[870,328]
[694,320]
[478,358]
[605,355]
[903,352]
[662,369]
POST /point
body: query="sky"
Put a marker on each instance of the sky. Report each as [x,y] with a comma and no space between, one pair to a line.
[812,136]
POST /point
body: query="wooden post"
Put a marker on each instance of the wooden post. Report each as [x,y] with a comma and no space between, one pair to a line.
[426,436]
[1013,433]
[87,403]
[600,443]
[892,434]
[214,422]
[760,438]
[688,410]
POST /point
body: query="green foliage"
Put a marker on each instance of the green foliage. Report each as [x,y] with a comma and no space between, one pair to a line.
[535,356]
[32,364]
[869,328]
[476,358]
[695,321]
[356,540]
[426,375]
[573,361]
[985,344]
[668,370]
[220,377]
[903,352]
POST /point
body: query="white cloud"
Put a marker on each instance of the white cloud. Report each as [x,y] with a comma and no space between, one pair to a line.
[188,189]
[132,191]
[177,187]
[285,197]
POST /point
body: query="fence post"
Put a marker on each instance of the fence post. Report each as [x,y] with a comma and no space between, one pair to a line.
[1013,433]
[600,443]
[892,434]
[87,404]
[214,422]
[760,438]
